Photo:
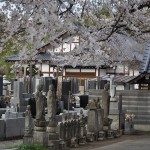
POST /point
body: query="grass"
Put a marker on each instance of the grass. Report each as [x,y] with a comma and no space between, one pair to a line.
[28,147]
[13,146]
[31,147]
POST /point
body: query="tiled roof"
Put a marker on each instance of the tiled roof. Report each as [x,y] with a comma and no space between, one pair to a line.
[43,56]
[119,79]
[12,58]
[145,65]
[40,56]
[123,79]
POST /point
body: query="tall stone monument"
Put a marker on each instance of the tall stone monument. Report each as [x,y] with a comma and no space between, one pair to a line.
[82,136]
[28,132]
[112,89]
[40,135]
[114,110]
[53,137]
[40,109]
[95,121]
[106,103]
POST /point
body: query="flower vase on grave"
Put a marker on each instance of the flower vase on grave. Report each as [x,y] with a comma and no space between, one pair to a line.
[129,127]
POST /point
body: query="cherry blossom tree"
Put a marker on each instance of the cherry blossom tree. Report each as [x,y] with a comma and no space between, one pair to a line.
[109,30]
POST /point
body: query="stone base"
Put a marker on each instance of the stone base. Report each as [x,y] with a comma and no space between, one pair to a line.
[113,99]
[82,140]
[40,138]
[53,136]
[74,142]
[110,134]
[101,136]
[117,133]
[27,140]
[90,137]
[39,123]
[115,123]
[62,144]
[54,144]
[40,129]
[51,129]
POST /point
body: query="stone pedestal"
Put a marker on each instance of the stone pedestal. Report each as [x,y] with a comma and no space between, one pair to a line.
[53,138]
[100,113]
[90,137]
[113,99]
[40,129]
[114,115]
[101,135]
[129,127]
[40,138]
[110,134]
[115,123]
[74,142]
[118,119]
[27,140]
[82,140]
[92,125]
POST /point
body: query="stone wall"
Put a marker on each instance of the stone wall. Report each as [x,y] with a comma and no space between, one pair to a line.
[136,102]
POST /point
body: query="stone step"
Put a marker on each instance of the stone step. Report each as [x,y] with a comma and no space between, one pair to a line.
[143,117]
[132,107]
[136,103]
[135,98]
[141,121]
[140,112]
[138,93]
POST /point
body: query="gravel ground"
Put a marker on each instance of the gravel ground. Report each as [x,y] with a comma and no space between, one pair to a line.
[5,144]
[8,143]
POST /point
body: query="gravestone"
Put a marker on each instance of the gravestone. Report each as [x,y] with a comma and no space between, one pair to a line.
[92,124]
[66,87]
[74,86]
[84,101]
[112,89]
[32,104]
[92,84]
[47,81]
[116,114]
[18,98]
[101,84]
[1,85]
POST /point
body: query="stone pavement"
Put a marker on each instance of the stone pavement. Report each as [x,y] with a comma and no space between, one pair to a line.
[140,144]
[125,142]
